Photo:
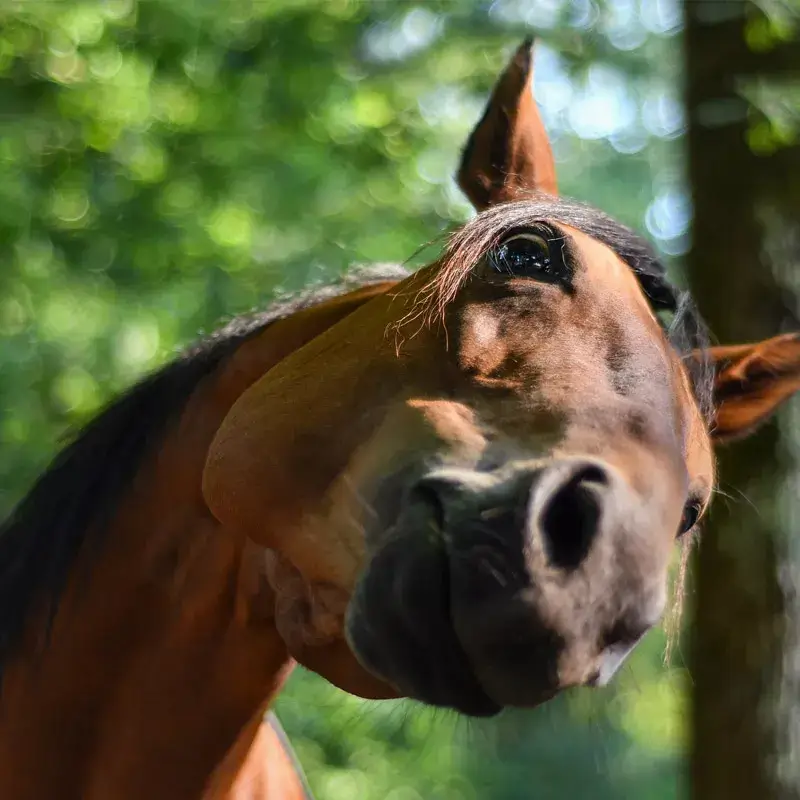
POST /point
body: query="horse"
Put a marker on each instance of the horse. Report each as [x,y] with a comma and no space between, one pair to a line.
[463,485]
[270,771]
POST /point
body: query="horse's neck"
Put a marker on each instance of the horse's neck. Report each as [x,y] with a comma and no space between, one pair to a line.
[163,653]
[162,650]
[261,767]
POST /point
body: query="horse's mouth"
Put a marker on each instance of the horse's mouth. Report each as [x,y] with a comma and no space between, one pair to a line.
[451,613]
[400,628]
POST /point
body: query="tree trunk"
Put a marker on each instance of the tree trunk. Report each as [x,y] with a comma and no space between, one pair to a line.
[744,661]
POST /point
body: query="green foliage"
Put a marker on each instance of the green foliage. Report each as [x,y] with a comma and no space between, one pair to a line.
[166,163]
[624,741]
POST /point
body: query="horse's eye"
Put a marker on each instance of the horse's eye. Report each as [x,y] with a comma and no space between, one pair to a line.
[528,255]
[691,513]
[523,253]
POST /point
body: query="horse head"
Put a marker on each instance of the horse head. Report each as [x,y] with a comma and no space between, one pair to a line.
[469,491]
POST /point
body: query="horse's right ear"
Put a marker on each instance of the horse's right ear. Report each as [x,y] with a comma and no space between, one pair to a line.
[508,155]
[751,381]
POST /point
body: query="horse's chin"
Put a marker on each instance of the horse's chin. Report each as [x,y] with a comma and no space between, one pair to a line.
[399,627]
[419,620]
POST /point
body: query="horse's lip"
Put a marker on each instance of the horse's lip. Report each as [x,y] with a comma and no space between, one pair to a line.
[489,635]
[477,703]
[487,706]
[451,679]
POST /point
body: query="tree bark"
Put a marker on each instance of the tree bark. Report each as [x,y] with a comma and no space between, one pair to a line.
[744,664]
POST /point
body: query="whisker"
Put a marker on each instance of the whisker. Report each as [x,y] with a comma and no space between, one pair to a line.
[721,493]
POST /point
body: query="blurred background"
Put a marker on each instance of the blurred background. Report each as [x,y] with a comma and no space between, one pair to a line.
[165,164]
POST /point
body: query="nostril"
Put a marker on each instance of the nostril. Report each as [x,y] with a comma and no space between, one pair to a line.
[571,516]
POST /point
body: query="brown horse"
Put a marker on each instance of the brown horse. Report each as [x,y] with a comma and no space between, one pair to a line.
[269,771]
[463,486]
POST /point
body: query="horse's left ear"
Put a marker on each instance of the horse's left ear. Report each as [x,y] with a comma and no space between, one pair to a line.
[508,154]
[751,381]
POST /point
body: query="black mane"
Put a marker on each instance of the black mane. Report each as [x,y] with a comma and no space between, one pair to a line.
[75,499]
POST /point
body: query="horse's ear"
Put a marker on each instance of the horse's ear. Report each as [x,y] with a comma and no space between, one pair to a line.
[508,154]
[751,381]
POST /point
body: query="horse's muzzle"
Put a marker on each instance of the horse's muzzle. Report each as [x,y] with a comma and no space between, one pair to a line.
[503,589]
